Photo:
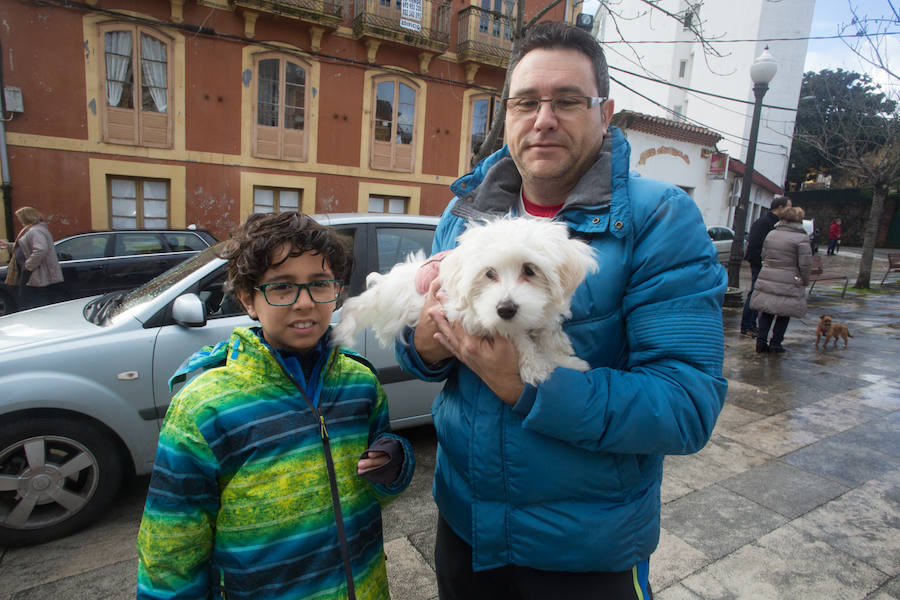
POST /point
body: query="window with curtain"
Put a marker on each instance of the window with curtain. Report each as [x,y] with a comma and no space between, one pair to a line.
[138,203]
[282,97]
[494,24]
[275,200]
[395,205]
[483,107]
[138,86]
[393,126]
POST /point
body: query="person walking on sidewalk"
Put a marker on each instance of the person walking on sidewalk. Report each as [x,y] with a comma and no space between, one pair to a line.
[834,236]
[781,287]
[758,232]
[33,267]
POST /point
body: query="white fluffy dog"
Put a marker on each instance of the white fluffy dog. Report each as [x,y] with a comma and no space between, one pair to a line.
[512,277]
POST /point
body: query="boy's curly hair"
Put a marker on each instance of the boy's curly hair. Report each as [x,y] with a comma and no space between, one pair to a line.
[251,249]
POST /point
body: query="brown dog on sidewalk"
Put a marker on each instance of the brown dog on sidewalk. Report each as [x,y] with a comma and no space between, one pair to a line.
[830,328]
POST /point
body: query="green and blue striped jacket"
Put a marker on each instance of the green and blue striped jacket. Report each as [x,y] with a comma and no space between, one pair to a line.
[240,502]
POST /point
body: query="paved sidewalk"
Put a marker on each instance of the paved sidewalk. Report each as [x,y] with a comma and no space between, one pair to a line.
[797,495]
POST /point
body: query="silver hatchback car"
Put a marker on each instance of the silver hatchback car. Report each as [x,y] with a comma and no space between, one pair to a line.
[85,383]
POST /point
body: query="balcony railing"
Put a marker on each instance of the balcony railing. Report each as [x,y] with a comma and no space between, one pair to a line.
[322,12]
[484,36]
[424,24]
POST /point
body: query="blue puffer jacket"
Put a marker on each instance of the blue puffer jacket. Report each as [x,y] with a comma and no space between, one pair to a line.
[569,478]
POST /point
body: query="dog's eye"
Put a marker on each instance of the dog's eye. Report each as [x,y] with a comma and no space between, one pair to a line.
[527,270]
[491,274]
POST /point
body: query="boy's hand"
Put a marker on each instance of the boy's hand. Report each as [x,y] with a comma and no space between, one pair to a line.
[373,460]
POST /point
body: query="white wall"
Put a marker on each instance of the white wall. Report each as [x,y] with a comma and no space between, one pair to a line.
[680,163]
[727,75]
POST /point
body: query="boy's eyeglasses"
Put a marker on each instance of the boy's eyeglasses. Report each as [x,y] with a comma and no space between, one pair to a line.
[562,105]
[285,293]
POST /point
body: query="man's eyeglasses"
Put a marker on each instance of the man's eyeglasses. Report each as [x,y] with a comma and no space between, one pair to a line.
[562,105]
[285,293]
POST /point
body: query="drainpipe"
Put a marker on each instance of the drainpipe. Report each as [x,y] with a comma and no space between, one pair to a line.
[4,160]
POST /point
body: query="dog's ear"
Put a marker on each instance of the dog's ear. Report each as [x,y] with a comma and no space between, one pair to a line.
[576,261]
[451,277]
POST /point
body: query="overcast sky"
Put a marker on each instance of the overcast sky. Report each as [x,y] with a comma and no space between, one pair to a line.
[831,54]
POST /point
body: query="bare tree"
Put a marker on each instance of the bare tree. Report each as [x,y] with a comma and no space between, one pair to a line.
[515,15]
[856,131]
[871,35]
[876,167]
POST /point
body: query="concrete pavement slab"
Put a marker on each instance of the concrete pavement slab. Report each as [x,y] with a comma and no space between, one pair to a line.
[842,460]
[676,592]
[888,591]
[717,521]
[674,560]
[116,581]
[786,563]
[83,552]
[879,434]
[778,435]
[408,573]
[863,523]
[785,489]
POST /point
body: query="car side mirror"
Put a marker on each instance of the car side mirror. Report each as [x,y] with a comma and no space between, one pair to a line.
[188,310]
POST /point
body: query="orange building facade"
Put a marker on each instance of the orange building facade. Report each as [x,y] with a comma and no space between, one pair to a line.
[156,113]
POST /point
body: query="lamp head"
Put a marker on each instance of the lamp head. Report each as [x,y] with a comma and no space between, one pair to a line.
[763,68]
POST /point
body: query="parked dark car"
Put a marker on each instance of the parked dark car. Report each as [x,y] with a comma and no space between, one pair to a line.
[109,261]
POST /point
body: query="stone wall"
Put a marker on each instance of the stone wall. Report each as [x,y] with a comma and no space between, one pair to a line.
[852,206]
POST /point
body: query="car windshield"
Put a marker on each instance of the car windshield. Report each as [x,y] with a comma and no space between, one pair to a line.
[163,282]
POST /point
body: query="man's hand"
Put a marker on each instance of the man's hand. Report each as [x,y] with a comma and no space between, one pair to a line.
[494,360]
[426,345]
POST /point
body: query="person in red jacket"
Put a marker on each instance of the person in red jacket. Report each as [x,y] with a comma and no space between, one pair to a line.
[834,236]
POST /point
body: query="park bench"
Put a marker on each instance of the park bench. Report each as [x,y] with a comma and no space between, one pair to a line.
[893,265]
[817,273]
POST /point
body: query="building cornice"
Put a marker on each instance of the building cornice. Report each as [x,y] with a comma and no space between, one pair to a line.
[674,130]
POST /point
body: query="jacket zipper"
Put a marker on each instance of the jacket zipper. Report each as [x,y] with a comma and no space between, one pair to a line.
[332,481]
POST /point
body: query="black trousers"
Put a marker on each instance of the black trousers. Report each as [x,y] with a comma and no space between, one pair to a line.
[749,317]
[765,321]
[457,581]
[32,296]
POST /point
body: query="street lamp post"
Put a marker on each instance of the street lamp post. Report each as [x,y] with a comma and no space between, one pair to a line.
[761,72]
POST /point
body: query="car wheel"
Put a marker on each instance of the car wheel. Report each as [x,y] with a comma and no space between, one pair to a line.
[56,477]
[7,305]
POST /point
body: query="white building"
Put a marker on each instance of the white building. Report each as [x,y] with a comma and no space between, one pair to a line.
[686,155]
[681,60]
[679,153]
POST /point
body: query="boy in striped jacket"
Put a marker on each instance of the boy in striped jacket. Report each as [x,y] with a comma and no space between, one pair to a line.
[274,462]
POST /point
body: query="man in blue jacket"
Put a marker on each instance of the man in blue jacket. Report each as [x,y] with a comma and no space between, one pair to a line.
[553,491]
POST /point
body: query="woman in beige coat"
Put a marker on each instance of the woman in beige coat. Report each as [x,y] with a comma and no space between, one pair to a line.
[34,267]
[780,291]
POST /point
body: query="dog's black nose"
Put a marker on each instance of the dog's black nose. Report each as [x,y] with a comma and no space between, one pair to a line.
[507,309]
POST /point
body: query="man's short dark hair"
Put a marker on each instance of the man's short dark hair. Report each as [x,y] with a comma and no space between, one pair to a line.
[552,35]
[251,249]
[779,202]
